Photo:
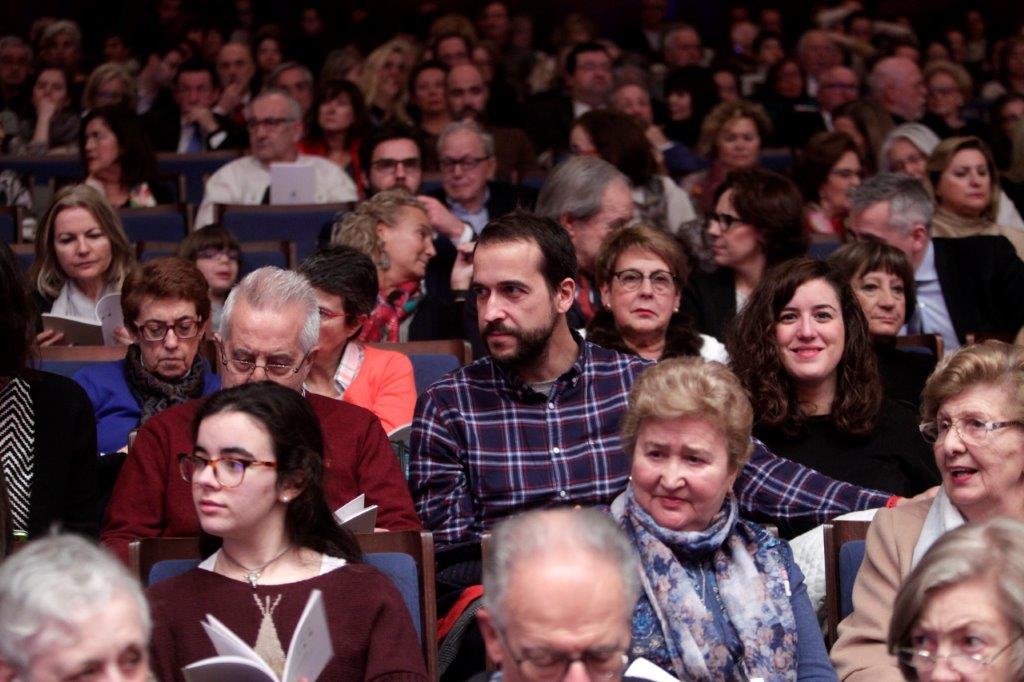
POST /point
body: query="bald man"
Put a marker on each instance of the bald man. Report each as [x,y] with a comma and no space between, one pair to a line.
[897,84]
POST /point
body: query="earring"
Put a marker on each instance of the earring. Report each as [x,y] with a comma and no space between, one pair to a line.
[385,262]
[676,309]
[285,498]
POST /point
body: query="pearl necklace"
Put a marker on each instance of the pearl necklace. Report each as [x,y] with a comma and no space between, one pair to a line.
[253,574]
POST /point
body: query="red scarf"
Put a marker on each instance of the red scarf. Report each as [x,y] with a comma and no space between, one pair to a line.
[387,317]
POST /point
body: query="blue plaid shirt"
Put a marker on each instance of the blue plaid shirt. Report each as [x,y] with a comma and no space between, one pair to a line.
[485,446]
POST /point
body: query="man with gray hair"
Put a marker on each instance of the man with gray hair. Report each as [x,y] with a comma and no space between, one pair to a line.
[468,166]
[274,120]
[68,610]
[559,593]
[269,331]
[15,66]
[964,285]
[590,198]
[297,80]
[897,84]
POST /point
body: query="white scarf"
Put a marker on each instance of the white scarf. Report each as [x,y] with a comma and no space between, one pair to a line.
[71,302]
[942,518]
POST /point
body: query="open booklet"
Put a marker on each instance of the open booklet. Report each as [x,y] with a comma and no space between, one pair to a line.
[308,654]
[81,331]
[356,516]
[642,669]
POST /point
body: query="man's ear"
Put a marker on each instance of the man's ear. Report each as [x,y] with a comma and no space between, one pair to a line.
[492,640]
[565,295]
[569,223]
[919,234]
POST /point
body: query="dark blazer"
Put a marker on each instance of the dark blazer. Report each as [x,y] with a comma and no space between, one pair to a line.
[548,121]
[982,282]
[710,300]
[164,127]
[504,198]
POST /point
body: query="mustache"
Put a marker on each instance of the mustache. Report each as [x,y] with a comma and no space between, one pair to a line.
[496,328]
[470,112]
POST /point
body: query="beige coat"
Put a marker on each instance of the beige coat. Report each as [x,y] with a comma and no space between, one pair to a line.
[860,652]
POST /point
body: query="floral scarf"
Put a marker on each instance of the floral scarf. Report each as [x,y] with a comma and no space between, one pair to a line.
[749,588]
[154,394]
[386,319]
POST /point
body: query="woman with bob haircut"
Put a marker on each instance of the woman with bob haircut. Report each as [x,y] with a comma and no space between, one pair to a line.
[974,575]
[82,254]
[109,84]
[973,412]
[335,126]
[965,183]
[640,273]
[757,223]
[70,611]
[883,281]
[802,350]
[687,431]
[730,137]
[256,475]
[119,159]
[829,167]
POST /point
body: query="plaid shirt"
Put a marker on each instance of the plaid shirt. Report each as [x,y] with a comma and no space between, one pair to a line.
[485,446]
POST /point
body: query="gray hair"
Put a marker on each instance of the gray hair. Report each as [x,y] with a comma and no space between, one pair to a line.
[58,27]
[486,139]
[7,42]
[267,92]
[271,288]
[557,533]
[992,550]
[289,66]
[50,589]
[917,134]
[909,201]
[576,186]
[885,73]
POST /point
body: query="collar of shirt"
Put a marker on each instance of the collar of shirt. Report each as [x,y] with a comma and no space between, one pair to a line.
[522,390]
[926,271]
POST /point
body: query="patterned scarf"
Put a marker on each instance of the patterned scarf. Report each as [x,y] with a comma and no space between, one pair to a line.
[387,317]
[154,394]
[750,586]
[17,448]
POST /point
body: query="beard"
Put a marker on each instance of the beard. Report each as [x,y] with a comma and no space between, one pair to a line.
[530,343]
[470,113]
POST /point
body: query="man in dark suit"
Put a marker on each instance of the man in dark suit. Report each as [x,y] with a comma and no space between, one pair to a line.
[968,284]
[190,124]
[588,79]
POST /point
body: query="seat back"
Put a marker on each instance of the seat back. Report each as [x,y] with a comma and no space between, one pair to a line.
[145,553]
[427,369]
[300,223]
[166,223]
[837,534]
[457,348]
[931,343]
[851,555]
[26,254]
[43,169]
[255,255]
[67,360]
[981,337]
[195,168]
[10,224]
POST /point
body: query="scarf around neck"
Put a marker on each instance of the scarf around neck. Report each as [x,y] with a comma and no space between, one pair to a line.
[154,394]
[942,517]
[386,318]
[750,584]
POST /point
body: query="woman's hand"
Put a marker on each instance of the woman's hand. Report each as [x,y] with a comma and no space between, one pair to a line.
[441,219]
[122,336]
[49,337]
[462,270]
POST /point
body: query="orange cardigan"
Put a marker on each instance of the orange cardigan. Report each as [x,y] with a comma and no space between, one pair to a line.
[385,386]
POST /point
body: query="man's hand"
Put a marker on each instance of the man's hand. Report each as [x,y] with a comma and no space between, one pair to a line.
[230,98]
[442,220]
[462,270]
[204,117]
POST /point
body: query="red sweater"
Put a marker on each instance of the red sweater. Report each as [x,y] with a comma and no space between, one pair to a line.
[371,630]
[150,498]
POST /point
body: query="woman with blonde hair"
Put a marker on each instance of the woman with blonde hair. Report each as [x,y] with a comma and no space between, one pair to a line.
[950,88]
[965,184]
[109,84]
[385,81]
[82,254]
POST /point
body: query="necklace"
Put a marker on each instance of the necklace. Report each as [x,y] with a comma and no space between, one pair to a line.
[253,574]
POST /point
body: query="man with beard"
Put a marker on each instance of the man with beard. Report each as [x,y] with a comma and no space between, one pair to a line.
[467,94]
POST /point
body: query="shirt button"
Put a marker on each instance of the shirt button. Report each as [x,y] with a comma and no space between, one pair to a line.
[563,494]
[555,450]
[551,406]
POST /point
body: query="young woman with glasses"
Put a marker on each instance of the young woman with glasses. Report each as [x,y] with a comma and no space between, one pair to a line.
[256,475]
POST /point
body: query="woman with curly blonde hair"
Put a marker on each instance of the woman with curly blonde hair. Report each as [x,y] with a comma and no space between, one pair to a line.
[385,81]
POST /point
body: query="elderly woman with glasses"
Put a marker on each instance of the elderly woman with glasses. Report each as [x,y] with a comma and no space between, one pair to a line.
[256,477]
[974,416]
[166,309]
[722,597]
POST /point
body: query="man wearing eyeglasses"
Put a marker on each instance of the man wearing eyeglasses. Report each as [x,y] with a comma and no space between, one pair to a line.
[269,331]
[274,120]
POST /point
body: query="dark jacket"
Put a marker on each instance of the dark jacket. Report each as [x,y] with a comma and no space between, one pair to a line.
[710,300]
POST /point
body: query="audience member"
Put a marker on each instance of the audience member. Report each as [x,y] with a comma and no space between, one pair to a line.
[964,285]
[802,350]
[837,86]
[950,88]
[906,150]
[297,80]
[118,159]
[965,181]
[109,84]
[385,81]
[216,253]
[687,432]
[68,610]
[635,100]
[392,228]
[730,137]
[271,323]
[619,139]
[883,281]
[1009,70]
[689,95]
[867,122]
[591,200]
[235,71]
[166,307]
[818,52]
[51,126]
[757,223]
[256,478]
[47,430]
[191,125]
[828,168]
[15,69]
[82,254]
[268,51]
[427,104]
[559,591]
[640,272]
[1003,116]
[275,128]
[60,46]
[897,84]
[972,411]
[345,283]
[682,47]
[335,126]
[156,77]
[972,575]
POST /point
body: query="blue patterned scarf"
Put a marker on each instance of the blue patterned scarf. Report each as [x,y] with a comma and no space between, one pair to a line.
[750,584]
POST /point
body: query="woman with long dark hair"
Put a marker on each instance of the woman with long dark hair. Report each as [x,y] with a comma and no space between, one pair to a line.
[118,158]
[257,482]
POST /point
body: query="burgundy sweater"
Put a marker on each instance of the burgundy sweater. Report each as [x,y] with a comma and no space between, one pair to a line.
[371,628]
[150,498]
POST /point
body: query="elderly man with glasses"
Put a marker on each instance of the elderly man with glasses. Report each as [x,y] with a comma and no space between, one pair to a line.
[274,120]
[268,331]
